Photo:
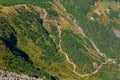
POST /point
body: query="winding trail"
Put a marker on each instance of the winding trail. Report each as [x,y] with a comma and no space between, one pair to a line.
[98,67]
[72,63]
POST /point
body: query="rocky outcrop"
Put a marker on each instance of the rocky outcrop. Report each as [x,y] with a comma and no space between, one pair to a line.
[117,33]
[6,75]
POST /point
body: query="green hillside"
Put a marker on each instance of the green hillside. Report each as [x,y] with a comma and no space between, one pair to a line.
[61,39]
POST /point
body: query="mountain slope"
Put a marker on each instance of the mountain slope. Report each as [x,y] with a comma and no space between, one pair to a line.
[46,40]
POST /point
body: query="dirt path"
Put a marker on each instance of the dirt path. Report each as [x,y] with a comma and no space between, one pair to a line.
[72,63]
[98,51]
[66,55]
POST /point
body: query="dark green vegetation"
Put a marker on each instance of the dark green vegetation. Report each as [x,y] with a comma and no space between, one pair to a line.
[41,3]
[29,44]
[14,58]
[101,34]
[76,50]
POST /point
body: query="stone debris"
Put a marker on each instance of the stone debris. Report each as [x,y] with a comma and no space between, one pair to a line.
[5,75]
[117,33]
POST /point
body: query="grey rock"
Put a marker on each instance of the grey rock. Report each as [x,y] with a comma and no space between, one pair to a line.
[6,75]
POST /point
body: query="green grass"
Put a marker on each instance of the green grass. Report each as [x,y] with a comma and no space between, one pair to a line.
[74,49]
[12,37]
[19,65]
[102,35]
[41,3]
[33,39]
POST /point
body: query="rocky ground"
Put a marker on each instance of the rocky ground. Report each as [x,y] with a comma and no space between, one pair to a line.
[117,33]
[5,75]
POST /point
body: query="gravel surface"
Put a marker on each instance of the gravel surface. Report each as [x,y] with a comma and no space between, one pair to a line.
[5,75]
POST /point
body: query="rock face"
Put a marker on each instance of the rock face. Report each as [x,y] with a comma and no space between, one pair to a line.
[117,33]
[5,75]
